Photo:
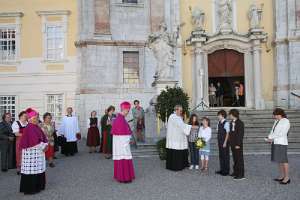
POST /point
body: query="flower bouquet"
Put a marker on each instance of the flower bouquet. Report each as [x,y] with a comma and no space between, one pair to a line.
[200,143]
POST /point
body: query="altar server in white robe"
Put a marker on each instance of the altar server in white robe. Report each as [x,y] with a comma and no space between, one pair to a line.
[69,128]
[177,144]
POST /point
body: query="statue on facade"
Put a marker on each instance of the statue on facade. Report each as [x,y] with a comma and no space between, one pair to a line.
[162,44]
[198,17]
[225,15]
[254,16]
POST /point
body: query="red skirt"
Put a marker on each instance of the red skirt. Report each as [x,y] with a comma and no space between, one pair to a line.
[124,171]
[93,137]
[18,153]
[50,152]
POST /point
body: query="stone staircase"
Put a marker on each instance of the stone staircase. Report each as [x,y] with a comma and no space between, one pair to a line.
[258,124]
[144,150]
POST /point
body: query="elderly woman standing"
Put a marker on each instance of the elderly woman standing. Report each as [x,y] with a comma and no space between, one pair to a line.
[6,142]
[49,129]
[33,145]
[278,139]
[18,128]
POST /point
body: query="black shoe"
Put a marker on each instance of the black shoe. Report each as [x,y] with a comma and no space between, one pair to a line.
[218,172]
[239,178]
[4,170]
[54,157]
[278,179]
[18,173]
[285,183]
[51,165]
[233,175]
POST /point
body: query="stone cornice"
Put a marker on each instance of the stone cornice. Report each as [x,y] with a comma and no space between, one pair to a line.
[286,40]
[53,12]
[84,43]
[11,14]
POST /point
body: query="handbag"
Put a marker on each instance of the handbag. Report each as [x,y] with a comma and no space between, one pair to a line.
[78,136]
[61,140]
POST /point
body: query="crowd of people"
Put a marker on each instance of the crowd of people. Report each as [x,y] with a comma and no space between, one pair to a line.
[217,93]
[182,139]
[29,143]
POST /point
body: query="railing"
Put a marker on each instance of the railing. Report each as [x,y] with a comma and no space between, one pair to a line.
[202,104]
[296,95]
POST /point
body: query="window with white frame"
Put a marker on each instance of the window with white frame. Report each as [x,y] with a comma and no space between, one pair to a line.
[55,106]
[7,44]
[131,67]
[8,104]
[55,42]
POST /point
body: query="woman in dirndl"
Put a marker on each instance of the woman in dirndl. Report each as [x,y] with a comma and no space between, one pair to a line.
[279,140]
[106,124]
[49,129]
[93,136]
[18,128]
[33,166]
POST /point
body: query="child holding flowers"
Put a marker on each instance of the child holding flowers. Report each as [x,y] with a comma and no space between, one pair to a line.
[205,134]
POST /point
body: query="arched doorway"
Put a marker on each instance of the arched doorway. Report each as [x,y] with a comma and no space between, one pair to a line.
[226,72]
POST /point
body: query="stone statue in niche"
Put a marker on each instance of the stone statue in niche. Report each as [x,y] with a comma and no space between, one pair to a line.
[254,16]
[198,17]
[162,44]
[225,15]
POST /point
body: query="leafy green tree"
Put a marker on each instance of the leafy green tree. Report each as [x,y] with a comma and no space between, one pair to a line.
[168,99]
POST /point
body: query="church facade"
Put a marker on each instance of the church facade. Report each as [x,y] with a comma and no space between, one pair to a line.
[255,43]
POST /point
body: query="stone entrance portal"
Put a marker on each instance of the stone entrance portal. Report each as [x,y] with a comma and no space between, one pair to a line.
[226,71]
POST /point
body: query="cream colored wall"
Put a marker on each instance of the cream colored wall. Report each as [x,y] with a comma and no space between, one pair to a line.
[31,31]
[242,7]
[31,79]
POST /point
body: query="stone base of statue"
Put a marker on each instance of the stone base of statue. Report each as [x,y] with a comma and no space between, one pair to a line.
[256,31]
[153,125]
[225,31]
[160,85]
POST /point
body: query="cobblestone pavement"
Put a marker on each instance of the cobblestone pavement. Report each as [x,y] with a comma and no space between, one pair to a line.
[89,177]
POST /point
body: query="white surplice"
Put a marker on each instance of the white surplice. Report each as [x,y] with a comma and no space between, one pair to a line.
[121,147]
[69,127]
[177,132]
[34,160]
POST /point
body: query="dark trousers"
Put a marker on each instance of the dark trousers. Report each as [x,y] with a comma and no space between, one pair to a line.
[241,100]
[7,155]
[194,153]
[238,161]
[224,156]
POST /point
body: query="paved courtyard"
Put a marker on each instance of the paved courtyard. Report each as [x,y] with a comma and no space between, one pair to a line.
[89,177]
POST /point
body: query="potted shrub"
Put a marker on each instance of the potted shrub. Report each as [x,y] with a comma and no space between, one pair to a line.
[161,148]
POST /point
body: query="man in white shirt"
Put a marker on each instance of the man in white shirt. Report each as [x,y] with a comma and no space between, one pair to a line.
[69,128]
[177,144]
[223,130]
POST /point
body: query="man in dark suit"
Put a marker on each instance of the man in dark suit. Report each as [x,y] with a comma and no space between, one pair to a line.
[236,143]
